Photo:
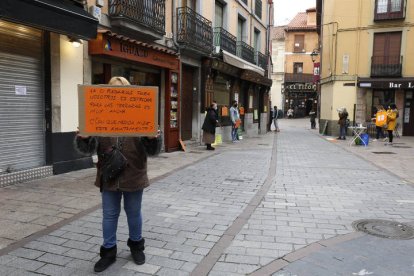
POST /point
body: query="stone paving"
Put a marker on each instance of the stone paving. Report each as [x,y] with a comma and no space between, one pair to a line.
[238,212]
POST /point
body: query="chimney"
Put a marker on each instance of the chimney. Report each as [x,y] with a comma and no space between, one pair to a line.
[311,17]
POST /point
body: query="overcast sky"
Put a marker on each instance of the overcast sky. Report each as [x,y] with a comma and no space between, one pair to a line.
[285,10]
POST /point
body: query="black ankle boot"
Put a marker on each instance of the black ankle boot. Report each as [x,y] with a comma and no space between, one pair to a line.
[137,251]
[108,257]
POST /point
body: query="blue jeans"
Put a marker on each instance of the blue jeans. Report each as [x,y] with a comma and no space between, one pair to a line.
[342,131]
[111,207]
[233,133]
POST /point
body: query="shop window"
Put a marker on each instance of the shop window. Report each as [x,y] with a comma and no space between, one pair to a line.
[299,44]
[298,68]
[382,97]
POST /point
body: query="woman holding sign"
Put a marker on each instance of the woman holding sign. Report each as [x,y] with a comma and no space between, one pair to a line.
[121,172]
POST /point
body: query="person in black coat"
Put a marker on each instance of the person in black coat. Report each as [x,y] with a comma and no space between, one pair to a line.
[209,126]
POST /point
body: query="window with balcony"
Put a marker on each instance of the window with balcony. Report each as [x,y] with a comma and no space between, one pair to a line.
[219,12]
[299,44]
[240,29]
[386,58]
[298,67]
[389,9]
[258,8]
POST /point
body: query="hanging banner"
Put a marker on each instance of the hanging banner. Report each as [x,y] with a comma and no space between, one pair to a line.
[106,110]
[316,72]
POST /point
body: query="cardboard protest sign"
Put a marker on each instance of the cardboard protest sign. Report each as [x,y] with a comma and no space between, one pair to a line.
[106,110]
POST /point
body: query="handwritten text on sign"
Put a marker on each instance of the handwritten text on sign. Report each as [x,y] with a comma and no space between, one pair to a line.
[118,110]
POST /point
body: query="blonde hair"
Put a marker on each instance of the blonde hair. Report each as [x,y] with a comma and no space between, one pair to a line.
[118,81]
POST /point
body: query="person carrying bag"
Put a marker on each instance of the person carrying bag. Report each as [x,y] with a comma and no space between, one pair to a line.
[121,173]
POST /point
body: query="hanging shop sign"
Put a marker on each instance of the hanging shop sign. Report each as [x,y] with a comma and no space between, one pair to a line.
[106,110]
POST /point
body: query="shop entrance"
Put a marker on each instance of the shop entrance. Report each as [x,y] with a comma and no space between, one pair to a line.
[408,119]
[187,103]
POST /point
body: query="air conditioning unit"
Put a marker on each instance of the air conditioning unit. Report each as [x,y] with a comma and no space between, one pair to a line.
[96,12]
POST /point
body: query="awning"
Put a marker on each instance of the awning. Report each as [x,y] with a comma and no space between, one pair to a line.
[59,16]
[240,63]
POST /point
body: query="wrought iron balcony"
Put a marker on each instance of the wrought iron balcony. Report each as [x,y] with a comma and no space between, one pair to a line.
[245,51]
[300,78]
[258,8]
[389,10]
[194,31]
[147,14]
[261,60]
[225,40]
[386,66]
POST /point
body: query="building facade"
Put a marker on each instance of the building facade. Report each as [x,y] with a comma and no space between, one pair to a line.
[278,66]
[299,89]
[193,51]
[40,69]
[366,60]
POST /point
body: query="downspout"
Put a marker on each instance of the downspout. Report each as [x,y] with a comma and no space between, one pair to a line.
[174,31]
[358,46]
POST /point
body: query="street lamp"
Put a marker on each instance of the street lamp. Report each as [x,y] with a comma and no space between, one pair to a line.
[314,54]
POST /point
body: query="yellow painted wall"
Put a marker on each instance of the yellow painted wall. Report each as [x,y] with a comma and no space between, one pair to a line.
[352,33]
[311,43]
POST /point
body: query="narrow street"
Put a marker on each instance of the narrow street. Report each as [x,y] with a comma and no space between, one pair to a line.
[277,204]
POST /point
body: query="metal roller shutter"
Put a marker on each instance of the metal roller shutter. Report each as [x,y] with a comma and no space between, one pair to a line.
[21,116]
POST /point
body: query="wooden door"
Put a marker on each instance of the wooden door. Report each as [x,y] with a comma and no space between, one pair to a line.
[187,103]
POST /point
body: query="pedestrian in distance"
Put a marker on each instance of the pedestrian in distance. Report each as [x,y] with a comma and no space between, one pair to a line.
[269,124]
[392,115]
[290,113]
[380,119]
[343,117]
[129,184]
[209,126]
[235,120]
[312,115]
[275,118]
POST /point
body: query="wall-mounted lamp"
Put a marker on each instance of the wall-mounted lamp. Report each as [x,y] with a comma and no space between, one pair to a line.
[76,42]
[314,54]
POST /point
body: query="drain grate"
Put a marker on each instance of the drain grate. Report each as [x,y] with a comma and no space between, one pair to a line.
[385,229]
[263,144]
[402,147]
[197,152]
[383,152]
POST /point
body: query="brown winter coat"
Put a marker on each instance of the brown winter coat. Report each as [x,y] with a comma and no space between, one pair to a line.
[342,118]
[134,177]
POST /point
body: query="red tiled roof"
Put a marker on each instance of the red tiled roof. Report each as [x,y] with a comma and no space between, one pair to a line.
[300,22]
[278,32]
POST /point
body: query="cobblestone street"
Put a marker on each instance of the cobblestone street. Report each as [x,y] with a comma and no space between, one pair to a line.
[267,205]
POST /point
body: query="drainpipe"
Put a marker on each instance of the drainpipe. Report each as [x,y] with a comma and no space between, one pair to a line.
[174,31]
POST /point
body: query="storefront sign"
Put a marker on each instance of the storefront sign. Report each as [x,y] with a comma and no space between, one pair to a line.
[110,45]
[403,83]
[301,87]
[106,110]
